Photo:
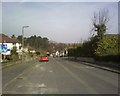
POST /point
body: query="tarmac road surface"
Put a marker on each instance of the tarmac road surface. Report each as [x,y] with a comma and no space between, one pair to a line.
[58,76]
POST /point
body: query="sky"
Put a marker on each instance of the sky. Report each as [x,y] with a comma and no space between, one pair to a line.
[66,22]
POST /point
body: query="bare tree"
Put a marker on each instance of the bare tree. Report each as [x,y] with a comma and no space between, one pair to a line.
[100,21]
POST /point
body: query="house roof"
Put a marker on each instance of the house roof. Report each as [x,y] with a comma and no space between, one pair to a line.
[6,39]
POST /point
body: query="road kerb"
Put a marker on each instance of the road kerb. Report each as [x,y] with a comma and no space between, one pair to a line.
[97,66]
[104,68]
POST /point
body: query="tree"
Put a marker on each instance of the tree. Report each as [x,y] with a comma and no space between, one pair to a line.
[13,36]
[14,53]
[100,21]
[19,38]
[14,49]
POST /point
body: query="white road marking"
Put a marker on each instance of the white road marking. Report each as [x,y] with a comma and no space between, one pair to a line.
[42,68]
[50,71]
[19,86]
[36,66]
[42,85]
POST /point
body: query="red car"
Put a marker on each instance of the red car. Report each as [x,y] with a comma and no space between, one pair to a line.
[43,58]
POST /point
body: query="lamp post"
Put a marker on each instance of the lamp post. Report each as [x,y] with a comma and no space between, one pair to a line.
[23,27]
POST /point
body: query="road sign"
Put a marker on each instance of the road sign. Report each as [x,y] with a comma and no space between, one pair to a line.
[3,48]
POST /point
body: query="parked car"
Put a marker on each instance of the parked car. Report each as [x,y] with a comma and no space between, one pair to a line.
[9,57]
[43,58]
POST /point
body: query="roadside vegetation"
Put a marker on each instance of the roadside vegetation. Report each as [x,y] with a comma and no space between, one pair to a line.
[102,46]
[106,49]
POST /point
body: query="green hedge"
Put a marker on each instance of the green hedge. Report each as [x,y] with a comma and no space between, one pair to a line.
[106,49]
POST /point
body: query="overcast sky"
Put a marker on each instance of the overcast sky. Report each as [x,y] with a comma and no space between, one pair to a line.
[68,22]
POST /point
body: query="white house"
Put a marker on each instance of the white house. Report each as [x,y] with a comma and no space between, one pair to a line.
[7,43]
[57,53]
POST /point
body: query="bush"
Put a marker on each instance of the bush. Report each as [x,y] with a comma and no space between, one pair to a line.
[31,55]
[108,46]
[37,53]
[15,57]
[105,49]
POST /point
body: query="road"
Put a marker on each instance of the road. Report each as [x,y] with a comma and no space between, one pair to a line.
[58,76]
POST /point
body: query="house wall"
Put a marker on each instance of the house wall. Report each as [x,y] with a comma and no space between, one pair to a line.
[10,46]
[18,45]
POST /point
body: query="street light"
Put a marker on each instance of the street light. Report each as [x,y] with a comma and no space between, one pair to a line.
[23,35]
[23,27]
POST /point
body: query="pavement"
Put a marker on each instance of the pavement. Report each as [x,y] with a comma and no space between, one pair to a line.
[8,64]
[91,62]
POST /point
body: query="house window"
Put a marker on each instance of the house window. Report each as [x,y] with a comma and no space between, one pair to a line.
[13,44]
[20,47]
